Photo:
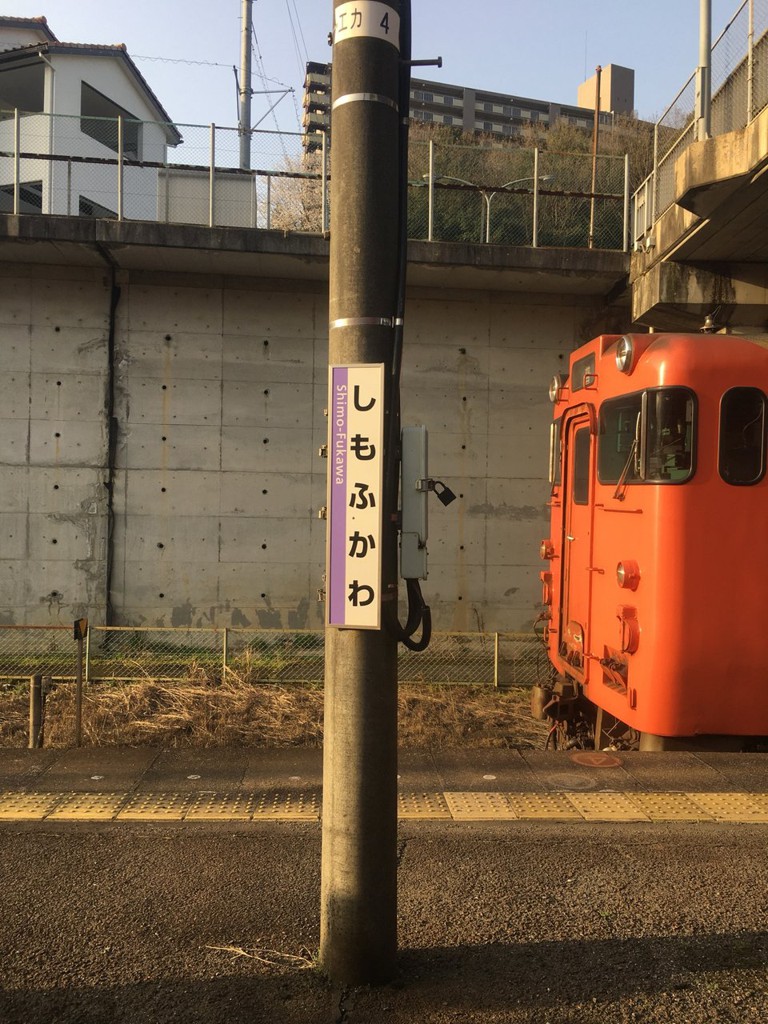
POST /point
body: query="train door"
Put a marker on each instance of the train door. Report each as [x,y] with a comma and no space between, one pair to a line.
[576,542]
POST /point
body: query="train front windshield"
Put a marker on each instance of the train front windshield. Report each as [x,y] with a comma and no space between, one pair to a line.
[647,437]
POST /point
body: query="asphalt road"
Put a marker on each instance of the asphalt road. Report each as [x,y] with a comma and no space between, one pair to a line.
[504,921]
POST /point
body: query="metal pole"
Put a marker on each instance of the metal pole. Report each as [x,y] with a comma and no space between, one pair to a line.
[431,193]
[487,196]
[120,158]
[535,239]
[655,172]
[324,227]
[269,201]
[595,138]
[35,710]
[16,161]
[225,655]
[358,921]
[79,694]
[496,661]
[704,73]
[625,229]
[751,61]
[212,177]
[245,85]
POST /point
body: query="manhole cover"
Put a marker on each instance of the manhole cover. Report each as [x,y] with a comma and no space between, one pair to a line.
[596,759]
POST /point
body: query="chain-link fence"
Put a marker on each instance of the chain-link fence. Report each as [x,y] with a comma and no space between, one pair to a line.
[515,195]
[739,91]
[255,656]
[119,168]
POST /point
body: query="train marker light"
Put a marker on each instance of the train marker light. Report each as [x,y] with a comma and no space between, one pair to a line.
[546,550]
[557,386]
[628,575]
[625,354]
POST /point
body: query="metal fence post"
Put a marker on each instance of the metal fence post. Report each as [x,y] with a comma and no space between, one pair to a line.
[654,172]
[35,711]
[212,177]
[120,159]
[431,193]
[535,236]
[16,161]
[625,247]
[496,660]
[751,61]
[225,654]
[87,657]
[269,201]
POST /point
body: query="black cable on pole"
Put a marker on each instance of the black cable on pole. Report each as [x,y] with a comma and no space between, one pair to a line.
[419,614]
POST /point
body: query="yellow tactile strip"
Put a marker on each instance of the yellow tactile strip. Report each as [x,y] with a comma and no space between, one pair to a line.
[298,805]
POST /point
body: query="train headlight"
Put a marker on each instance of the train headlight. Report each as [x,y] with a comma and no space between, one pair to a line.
[546,550]
[556,386]
[628,575]
[625,354]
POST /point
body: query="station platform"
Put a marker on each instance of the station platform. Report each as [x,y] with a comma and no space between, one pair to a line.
[247,784]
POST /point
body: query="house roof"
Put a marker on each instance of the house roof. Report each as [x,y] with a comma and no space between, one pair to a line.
[41,24]
[116,51]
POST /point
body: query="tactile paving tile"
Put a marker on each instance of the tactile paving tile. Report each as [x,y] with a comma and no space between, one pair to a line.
[670,807]
[88,807]
[220,807]
[472,806]
[606,807]
[278,804]
[155,807]
[27,806]
[731,806]
[551,806]
[422,805]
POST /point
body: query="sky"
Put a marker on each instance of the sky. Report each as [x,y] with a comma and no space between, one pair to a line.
[541,49]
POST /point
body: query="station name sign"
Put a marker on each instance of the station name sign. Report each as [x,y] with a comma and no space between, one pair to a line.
[355,486]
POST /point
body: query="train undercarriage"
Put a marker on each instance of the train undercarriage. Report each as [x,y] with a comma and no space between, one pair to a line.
[578,724]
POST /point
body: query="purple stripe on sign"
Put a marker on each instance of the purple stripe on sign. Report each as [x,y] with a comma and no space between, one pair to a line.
[338,456]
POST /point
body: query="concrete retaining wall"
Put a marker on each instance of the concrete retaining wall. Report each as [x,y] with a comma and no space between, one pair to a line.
[219,391]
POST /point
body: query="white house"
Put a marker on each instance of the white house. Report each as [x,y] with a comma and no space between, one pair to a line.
[69,97]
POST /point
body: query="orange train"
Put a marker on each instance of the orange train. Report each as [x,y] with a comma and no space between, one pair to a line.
[657,577]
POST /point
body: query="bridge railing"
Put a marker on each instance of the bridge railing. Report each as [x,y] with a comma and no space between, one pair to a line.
[739,93]
[124,169]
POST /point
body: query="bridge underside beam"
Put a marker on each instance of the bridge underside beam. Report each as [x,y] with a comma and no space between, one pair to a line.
[677,296]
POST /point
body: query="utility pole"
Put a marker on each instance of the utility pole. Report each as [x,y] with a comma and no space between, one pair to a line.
[245,85]
[358,921]
[704,73]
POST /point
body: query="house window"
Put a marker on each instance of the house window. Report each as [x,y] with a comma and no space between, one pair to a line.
[448,101]
[447,119]
[98,119]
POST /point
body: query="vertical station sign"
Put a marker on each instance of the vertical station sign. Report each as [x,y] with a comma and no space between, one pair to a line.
[355,485]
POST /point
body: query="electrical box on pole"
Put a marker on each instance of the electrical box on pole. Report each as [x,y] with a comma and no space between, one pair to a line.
[414,493]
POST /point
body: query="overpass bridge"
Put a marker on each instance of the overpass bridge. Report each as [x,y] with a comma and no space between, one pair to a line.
[700,246]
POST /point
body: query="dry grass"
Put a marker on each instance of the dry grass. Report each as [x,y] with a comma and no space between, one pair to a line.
[201,713]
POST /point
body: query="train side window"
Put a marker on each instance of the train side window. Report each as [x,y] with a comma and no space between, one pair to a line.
[581,466]
[741,458]
[617,456]
[669,430]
